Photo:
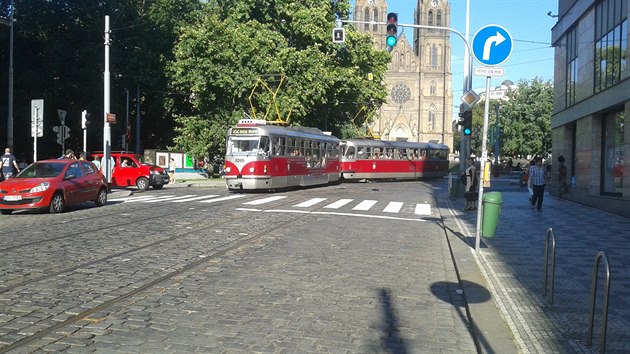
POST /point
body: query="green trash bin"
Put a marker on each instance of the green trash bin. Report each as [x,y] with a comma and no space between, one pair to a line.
[491,210]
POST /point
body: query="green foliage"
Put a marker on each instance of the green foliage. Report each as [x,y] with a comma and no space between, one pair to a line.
[525,118]
[230,45]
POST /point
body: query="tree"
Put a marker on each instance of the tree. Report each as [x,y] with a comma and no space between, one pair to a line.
[524,117]
[231,45]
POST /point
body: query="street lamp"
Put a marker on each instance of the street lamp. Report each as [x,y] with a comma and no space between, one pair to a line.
[9,23]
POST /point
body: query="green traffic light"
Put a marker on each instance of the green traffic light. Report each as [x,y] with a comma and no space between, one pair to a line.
[391,41]
[467,131]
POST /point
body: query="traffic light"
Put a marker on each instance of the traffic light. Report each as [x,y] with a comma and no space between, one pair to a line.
[466,122]
[392,30]
[85,119]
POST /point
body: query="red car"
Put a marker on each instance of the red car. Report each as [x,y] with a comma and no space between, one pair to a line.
[53,184]
[129,170]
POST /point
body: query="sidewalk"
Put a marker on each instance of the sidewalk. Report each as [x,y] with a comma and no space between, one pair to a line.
[121,192]
[512,264]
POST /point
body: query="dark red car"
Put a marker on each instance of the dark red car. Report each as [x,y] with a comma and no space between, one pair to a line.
[53,184]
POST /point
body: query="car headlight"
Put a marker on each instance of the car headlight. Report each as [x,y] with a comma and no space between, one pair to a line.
[154,172]
[40,187]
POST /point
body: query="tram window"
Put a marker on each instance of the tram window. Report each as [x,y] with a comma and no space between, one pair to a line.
[402,154]
[278,146]
[350,152]
[241,145]
[389,153]
[263,147]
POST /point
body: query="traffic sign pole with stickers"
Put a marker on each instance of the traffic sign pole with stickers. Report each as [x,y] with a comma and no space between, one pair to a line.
[37,123]
[491,46]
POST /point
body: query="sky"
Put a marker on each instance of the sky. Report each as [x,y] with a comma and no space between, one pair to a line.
[526,21]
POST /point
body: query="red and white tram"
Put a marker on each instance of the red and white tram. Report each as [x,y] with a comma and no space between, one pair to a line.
[262,157]
[378,159]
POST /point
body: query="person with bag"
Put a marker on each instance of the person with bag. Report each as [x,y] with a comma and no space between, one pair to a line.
[471,195]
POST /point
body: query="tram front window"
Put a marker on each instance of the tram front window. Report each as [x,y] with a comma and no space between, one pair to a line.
[247,146]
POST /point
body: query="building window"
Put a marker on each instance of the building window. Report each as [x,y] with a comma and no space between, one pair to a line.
[612,154]
[430,18]
[366,26]
[431,120]
[438,19]
[375,26]
[611,27]
[434,56]
[572,66]
[432,89]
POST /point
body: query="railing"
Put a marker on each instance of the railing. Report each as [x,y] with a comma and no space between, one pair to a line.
[602,333]
[550,236]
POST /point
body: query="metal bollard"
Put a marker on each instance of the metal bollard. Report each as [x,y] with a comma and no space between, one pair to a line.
[602,332]
[550,235]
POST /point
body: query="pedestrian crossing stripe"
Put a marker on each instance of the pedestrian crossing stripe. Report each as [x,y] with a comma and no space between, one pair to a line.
[364,205]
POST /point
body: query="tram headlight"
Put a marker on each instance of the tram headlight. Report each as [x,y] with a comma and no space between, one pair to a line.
[265,169]
[227,169]
[251,170]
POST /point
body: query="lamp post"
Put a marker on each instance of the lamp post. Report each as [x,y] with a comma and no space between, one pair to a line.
[9,23]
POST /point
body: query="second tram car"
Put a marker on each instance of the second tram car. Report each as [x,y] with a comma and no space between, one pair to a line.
[378,159]
[264,157]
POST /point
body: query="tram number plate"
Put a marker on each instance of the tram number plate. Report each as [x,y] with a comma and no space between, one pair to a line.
[239,160]
[12,198]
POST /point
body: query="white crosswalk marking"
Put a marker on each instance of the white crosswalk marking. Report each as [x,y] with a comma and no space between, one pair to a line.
[169,199]
[265,200]
[423,209]
[229,197]
[195,198]
[338,204]
[310,202]
[142,198]
[393,207]
[365,205]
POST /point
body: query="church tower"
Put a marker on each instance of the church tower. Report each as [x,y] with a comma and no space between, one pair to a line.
[420,102]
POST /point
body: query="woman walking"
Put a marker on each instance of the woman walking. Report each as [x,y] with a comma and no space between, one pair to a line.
[471,194]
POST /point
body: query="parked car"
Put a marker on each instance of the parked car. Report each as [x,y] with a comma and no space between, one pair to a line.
[129,170]
[53,184]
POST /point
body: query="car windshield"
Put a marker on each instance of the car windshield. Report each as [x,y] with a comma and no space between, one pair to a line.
[42,170]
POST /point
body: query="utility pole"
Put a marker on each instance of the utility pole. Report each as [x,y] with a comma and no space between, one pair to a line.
[107,145]
[10,116]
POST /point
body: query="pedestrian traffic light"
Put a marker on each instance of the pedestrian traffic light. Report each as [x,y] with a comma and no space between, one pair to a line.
[465,121]
[85,119]
[392,30]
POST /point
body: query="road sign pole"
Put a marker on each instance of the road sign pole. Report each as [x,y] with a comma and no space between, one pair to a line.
[484,158]
[35,135]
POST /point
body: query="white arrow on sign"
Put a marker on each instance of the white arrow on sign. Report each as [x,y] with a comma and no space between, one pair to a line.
[496,40]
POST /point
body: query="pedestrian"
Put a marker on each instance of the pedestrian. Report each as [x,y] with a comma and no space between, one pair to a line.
[171,170]
[537,183]
[562,177]
[532,164]
[68,155]
[97,162]
[471,195]
[9,164]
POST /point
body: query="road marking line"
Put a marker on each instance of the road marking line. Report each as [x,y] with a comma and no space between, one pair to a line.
[229,197]
[310,202]
[168,199]
[140,199]
[423,209]
[265,200]
[195,198]
[341,214]
[338,204]
[365,205]
[393,207]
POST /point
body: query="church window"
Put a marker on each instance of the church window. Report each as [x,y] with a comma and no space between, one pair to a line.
[366,26]
[438,19]
[430,18]
[431,120]
[434,56]
[433,88]
[375,26]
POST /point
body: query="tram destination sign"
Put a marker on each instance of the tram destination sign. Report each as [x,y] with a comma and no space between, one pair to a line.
[244,131]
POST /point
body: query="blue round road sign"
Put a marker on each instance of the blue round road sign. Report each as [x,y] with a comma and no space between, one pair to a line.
[492,45]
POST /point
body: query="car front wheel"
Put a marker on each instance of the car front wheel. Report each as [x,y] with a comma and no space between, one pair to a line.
[56,204]
[101,199]
[142,183]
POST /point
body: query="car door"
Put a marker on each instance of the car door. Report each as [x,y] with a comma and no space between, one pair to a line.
[74,183]
[92,181]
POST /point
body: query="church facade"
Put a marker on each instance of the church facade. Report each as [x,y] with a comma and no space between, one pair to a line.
[420,101]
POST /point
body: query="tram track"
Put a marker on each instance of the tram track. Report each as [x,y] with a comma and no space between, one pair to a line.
[218,252]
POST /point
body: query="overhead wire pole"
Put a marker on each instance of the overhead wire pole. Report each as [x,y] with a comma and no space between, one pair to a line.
[464,139]
[106,96]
